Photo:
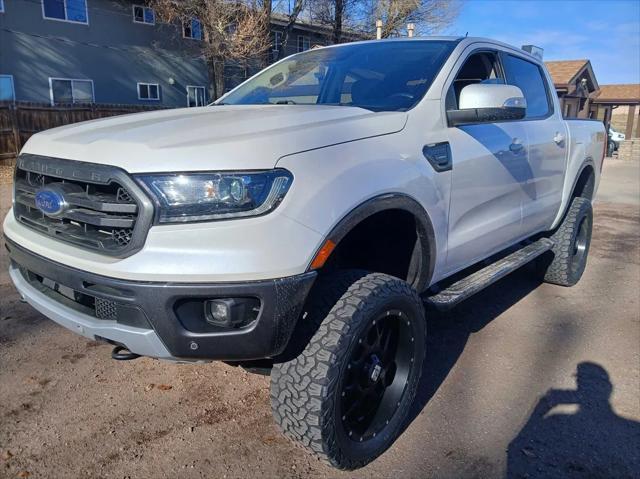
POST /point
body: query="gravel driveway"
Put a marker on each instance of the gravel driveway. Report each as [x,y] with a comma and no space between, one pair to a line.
[524,380]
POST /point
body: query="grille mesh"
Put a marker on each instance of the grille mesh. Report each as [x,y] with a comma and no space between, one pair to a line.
[122,236]
[106,309]
[123,196]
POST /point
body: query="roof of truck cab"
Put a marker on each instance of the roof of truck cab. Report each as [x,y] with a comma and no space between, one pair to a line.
[465,41]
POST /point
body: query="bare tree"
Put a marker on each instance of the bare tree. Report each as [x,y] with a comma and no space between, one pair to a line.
[293,18]
[359,16]
[233,31]
[267,7]
[333,14]
[429,16]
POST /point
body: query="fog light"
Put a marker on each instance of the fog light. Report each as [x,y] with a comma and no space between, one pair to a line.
[220,310]
[231,312]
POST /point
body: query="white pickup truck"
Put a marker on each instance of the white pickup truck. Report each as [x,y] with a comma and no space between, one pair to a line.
[301,223]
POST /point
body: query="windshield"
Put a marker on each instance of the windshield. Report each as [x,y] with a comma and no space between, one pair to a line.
[379,76]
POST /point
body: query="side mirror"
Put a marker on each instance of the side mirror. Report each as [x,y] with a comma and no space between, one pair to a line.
[488,103]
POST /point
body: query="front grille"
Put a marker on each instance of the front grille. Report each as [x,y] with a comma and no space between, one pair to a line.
[105,210]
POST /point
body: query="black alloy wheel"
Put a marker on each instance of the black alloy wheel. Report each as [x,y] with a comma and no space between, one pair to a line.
[377,375]
[347,395]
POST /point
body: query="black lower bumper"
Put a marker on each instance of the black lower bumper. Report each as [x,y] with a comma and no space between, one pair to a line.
[161,307]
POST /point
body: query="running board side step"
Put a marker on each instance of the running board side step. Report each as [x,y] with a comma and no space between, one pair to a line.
[467,287]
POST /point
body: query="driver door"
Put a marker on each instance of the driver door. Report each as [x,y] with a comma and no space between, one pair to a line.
[489,175]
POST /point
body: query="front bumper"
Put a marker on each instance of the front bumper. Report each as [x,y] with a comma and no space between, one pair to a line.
[150,319]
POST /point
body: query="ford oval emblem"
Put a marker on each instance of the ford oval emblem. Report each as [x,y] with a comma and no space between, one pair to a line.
[50,202]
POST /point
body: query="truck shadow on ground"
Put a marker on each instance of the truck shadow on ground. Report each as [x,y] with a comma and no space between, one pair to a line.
[448,333]
[569,433]
[17,319]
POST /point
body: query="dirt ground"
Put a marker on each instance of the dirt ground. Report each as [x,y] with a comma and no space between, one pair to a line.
[524,380]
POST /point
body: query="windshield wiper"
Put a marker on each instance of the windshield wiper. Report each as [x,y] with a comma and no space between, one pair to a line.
[285,102]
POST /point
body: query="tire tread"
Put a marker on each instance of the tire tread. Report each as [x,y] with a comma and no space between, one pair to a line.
[302,389]
[559,271]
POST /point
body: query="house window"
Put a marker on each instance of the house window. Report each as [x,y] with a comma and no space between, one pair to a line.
[148,91]
[195,96]
[277,41]
[303,43]
[7,91]
[68,90]
[66,10]
[192,29]
[143,14]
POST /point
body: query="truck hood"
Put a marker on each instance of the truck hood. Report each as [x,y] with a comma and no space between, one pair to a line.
[220,137]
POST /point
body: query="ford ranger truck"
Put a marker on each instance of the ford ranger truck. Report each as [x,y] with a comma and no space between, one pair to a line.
[304,222]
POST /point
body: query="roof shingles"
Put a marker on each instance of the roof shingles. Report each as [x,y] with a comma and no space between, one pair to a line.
[562,72]
[629,92]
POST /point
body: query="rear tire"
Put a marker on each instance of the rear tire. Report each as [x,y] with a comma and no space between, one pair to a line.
[347,396]
[568,258]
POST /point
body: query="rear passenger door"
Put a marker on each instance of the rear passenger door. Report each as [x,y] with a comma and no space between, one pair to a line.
[546,134]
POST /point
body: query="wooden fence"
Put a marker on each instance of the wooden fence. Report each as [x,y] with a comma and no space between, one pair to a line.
[20,120]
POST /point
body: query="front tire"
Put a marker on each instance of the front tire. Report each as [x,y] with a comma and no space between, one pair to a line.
[568,258]
[347,396]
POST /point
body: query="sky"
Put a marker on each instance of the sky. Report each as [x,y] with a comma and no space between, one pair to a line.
[607,32]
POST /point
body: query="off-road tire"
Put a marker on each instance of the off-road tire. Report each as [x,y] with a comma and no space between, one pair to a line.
[306,390]
[568,258]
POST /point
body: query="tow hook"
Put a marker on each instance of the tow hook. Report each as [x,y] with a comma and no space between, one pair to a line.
[120,353]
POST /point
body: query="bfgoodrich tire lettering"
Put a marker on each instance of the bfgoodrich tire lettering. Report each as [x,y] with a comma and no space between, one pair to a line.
[572,240]
[307,391]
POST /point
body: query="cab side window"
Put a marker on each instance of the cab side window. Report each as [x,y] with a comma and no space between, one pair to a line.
[528,77]
[481,67]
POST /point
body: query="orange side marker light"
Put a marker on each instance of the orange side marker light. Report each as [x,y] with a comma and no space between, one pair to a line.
[323,255]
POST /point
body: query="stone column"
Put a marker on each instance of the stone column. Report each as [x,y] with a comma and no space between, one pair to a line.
[630,117]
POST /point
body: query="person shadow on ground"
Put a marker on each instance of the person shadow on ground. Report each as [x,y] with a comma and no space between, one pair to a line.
[591,442]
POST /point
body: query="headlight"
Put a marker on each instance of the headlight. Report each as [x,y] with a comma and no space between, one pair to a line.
[186,197]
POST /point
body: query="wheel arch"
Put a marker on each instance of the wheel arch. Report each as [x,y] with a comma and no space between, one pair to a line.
[583,185]
[424,252]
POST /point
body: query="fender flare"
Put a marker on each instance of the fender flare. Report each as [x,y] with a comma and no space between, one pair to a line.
[588,161]
[394,201]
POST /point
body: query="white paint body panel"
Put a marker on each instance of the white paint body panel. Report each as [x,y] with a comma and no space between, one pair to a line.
[210,138]
[488,190]
[271,246]
[339,157]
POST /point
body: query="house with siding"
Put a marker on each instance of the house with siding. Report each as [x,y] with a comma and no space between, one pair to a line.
[113,51]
